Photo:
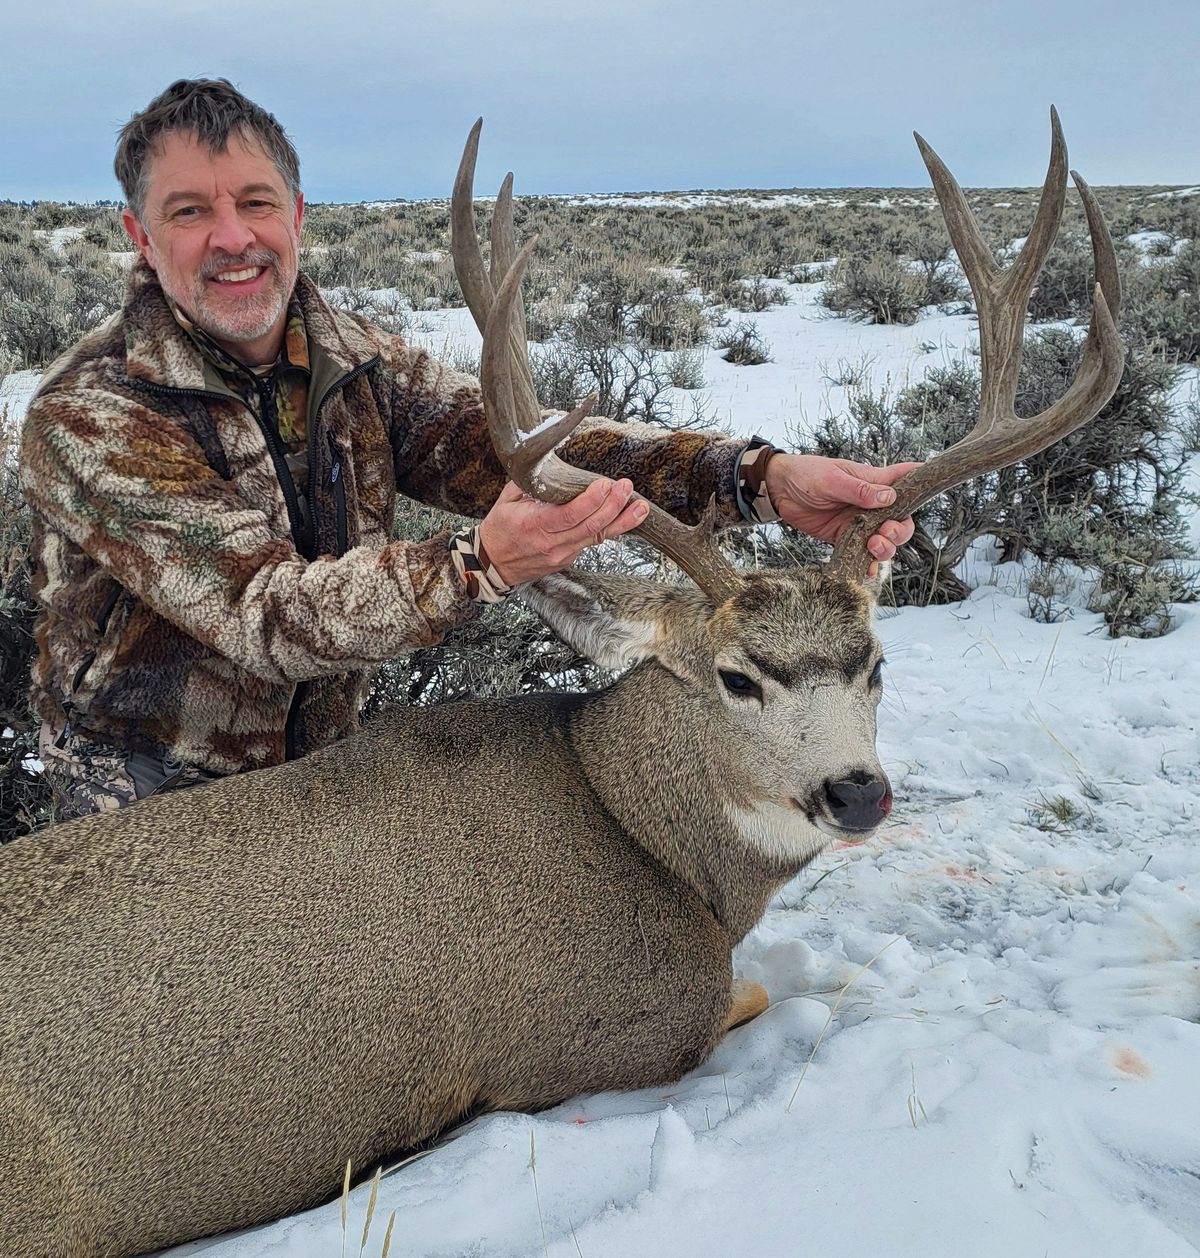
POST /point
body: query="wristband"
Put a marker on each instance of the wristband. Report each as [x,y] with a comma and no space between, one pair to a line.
[484,584]
[750,482]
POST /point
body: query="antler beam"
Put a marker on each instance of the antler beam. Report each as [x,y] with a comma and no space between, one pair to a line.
[525,444]
[999,437]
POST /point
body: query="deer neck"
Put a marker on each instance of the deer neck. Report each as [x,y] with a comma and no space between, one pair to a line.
[641,745]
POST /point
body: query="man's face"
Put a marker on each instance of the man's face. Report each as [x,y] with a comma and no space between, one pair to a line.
[222,231]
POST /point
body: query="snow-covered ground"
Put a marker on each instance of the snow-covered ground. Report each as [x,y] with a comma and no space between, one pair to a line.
[984,1032]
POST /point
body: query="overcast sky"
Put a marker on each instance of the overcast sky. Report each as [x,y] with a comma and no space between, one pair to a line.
[619,95]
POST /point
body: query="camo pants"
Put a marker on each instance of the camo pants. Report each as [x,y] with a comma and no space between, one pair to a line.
[90,777]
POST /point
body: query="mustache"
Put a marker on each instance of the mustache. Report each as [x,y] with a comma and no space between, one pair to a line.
[237,262]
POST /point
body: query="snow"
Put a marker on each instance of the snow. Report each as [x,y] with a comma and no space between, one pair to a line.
[1175,193]
[15,391]
[984,1021]
[58,238]
[1156,246]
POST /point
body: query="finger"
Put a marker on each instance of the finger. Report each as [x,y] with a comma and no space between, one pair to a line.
[854,489]
[570,515]
[880,547]
[897,531]
[591,529]
[631,516]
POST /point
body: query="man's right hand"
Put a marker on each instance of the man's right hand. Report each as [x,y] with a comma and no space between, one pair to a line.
[526,539]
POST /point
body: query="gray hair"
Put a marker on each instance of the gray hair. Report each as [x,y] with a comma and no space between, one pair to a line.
[213,109]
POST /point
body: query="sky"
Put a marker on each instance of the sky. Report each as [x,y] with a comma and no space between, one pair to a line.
[619,95]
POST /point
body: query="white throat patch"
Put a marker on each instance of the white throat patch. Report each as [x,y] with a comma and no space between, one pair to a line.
[783,834]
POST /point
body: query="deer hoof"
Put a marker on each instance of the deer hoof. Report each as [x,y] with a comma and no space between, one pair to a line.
[746,1001]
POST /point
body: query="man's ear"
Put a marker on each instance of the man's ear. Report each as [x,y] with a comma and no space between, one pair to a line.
[616,621]
[298,213]
[139,236]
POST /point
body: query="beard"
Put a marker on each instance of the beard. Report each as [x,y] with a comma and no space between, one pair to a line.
[229,316]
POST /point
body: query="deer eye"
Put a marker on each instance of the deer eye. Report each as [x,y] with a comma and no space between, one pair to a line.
[877,674]
[739,684]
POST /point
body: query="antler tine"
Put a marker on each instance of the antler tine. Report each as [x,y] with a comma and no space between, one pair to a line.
[1104,256]
[532,463]
[999,437]
[974,256]
[464,243]
[504,253]
[1000,296]
[477,287]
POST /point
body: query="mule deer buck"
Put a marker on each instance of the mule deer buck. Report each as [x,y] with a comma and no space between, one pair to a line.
[209,1001]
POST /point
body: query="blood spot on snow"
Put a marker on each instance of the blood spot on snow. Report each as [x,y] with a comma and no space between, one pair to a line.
[1130,1063]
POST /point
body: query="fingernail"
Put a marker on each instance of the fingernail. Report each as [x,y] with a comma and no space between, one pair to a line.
[641,511]
[885,496]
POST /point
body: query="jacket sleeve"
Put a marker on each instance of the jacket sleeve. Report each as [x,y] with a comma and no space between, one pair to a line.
[444,454]
[137,496]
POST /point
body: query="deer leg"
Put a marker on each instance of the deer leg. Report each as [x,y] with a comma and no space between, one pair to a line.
[746,1001]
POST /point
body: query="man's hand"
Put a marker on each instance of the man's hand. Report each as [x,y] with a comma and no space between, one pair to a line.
[526,539]
[821,497]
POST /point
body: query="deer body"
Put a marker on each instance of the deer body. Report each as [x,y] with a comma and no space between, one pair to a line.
[210,1001]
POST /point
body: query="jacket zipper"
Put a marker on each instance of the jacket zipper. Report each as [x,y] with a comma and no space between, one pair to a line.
[102,619]
[337,483]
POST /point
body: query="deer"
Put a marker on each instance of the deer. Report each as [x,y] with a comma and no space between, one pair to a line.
[210,1000]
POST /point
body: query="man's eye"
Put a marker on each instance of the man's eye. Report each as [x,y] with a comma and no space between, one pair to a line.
[877,674]
[740,684]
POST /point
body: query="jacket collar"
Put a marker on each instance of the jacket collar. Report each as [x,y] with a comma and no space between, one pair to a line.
[160,352]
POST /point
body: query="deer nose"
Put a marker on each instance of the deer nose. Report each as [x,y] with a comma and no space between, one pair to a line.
[858,802]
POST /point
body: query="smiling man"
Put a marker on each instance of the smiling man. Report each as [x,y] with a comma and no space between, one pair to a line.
[213,475]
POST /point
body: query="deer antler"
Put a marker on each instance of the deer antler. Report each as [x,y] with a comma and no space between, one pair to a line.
[999,437]
[524,443]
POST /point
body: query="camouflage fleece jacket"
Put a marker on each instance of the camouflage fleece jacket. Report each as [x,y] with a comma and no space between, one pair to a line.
[178,617]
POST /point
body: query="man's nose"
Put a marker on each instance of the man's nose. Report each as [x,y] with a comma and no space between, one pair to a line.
[229,232]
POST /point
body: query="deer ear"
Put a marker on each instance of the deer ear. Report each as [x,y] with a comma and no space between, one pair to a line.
[616,621]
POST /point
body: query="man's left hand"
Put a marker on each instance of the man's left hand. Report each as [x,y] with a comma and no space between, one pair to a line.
[822,496]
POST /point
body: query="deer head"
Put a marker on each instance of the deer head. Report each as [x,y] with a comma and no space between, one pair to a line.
[781,670]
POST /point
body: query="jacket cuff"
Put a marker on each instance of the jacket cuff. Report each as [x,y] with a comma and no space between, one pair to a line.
[439,593]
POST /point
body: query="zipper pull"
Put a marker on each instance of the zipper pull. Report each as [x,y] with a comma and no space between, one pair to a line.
[335,472]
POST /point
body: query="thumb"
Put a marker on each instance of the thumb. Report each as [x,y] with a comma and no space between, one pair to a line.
[512,492]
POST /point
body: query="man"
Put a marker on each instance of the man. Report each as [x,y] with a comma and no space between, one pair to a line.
[213,475]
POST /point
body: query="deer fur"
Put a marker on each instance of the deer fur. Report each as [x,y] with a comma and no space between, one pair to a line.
[210,1000]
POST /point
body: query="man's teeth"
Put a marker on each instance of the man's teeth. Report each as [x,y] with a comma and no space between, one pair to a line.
[230,277]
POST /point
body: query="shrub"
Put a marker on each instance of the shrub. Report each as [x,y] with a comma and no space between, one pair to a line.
[743,346]
[878,289]
[685,369]
[25,799]
[753,296]
[1108,497]
[671,321]
[1162,303]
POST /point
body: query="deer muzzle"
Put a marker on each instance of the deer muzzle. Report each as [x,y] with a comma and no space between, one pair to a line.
[857,802]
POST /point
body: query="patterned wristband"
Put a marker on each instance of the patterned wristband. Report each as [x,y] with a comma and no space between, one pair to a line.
[750,479]
[484,584]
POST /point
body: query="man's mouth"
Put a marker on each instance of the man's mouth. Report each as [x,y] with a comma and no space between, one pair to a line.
[247,275]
